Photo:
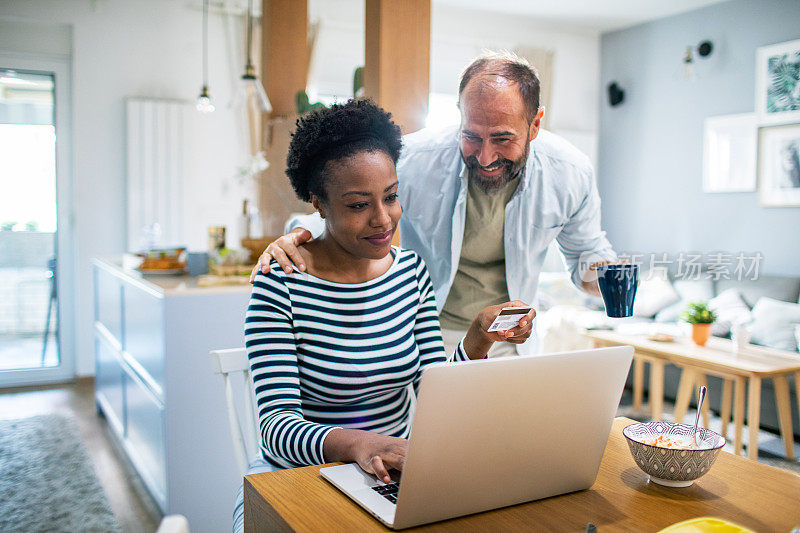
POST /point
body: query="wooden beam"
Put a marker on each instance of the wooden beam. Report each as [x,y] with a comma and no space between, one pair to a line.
[398,58]
[285,52]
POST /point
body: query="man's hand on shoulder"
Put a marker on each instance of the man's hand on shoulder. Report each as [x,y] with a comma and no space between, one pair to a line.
[284,251]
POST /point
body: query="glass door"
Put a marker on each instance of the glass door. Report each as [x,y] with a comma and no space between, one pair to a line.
[31,326]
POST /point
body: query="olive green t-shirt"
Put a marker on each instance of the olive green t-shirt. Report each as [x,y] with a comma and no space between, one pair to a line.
[480,280]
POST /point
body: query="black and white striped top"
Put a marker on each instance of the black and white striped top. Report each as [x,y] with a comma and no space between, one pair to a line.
[326,355]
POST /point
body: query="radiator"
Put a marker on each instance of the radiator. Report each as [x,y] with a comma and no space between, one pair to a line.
[155,150]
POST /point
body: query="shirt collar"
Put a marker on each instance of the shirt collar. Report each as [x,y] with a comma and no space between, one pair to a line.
[462,173]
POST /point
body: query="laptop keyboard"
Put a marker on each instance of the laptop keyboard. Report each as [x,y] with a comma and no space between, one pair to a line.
[388,491]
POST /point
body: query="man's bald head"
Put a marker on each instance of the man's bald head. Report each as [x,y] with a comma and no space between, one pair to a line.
[490,71]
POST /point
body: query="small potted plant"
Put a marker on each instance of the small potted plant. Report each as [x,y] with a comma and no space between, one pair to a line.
[700,317]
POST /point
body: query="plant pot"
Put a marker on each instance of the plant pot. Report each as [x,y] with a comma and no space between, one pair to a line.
[701,333]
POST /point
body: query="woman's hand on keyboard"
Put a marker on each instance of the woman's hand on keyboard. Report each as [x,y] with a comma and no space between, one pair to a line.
[377,454]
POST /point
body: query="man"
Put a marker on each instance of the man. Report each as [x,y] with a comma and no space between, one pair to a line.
[482,202]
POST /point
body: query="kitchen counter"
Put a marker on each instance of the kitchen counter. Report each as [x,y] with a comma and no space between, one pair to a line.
[155,385]
[166,284]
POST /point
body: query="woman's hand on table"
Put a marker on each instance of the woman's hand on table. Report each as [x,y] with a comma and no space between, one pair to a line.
[478,339]
[284,251]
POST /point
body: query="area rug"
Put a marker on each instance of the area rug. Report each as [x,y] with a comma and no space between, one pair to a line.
[47,482]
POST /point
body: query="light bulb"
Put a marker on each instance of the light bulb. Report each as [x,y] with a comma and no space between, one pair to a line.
[204,103]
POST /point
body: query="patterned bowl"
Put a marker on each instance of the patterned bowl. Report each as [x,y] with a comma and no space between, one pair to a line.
[670,466]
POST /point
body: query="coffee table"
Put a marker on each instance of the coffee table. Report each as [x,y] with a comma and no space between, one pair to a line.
[746,367]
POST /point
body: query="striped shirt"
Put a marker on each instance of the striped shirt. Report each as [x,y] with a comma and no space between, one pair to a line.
[325,355]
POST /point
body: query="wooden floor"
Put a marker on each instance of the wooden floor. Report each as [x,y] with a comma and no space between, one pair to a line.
[134,509]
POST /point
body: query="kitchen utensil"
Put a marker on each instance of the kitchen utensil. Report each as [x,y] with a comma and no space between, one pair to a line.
[701,396]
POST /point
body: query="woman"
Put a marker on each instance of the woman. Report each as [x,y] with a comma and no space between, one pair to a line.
[334,349]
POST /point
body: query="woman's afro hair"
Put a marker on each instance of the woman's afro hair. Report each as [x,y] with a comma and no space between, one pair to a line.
[333,134]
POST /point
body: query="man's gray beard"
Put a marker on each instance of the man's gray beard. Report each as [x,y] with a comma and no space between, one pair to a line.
[491,186]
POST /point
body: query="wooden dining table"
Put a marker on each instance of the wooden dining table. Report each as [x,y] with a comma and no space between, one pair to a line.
[739,490]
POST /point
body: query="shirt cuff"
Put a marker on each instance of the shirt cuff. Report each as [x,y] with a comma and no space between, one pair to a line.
[321,444]
[312,223]
[587,259]
[460,354]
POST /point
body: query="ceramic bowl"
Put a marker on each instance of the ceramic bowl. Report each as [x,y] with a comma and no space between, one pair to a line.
[669,466]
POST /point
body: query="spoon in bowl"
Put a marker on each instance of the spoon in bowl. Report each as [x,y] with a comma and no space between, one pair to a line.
[701,396]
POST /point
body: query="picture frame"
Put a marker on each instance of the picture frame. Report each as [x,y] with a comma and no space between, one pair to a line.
[778,83]
[779,166]
[730,144]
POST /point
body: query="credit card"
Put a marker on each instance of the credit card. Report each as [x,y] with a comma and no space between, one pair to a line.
[508,318]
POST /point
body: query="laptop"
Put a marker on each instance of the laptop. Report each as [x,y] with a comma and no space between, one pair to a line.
[497,432]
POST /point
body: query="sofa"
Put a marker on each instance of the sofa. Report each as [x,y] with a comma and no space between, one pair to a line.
[769,306]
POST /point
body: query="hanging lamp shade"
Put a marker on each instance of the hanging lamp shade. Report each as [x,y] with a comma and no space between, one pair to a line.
[251,92]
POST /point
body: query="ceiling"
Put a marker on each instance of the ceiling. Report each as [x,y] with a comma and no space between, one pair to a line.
[599,15]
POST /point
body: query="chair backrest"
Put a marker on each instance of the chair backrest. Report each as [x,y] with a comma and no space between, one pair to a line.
[243,428]
[173,523]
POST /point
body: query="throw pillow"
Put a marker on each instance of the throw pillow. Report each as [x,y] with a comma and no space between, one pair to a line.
[773,324]
[689,290]
[654,293]
[731,309]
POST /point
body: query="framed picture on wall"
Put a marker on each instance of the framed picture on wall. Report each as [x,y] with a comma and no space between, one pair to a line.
[778,83]
[729,153]
[779,165]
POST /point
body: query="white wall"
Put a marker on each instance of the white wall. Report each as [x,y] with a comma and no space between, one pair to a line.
[148,48]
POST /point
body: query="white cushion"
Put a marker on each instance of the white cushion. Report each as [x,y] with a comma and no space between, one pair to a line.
[773,324]
[654,293]
[731,309]
[689,290]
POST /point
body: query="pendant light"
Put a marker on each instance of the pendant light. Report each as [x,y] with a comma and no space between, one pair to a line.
[204,103]
[251,89]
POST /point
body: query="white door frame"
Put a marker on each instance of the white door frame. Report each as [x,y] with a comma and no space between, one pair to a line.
[65,241]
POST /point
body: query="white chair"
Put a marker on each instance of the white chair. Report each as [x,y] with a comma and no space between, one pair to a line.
[243,428]
[173,523]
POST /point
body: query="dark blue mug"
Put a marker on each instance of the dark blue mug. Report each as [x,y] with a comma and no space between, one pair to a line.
[618,286]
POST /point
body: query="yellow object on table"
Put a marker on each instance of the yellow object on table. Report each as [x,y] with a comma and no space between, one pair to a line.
[705,524]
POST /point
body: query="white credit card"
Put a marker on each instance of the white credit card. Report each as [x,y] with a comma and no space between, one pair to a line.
[508,318]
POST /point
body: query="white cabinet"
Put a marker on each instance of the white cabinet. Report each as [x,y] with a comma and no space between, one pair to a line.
[109,378]
[155,386]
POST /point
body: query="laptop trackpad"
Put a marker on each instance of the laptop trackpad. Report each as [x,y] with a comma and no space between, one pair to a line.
[357,484]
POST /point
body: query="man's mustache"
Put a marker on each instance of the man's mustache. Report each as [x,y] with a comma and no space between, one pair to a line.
[472,162]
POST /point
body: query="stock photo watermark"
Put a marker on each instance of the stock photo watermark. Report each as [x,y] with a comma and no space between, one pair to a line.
[689,266]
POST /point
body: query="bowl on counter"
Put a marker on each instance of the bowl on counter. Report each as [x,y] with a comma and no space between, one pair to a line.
[163,261]
[667,460]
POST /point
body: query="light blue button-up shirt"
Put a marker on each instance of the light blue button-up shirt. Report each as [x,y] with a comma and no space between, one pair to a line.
[556,199]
